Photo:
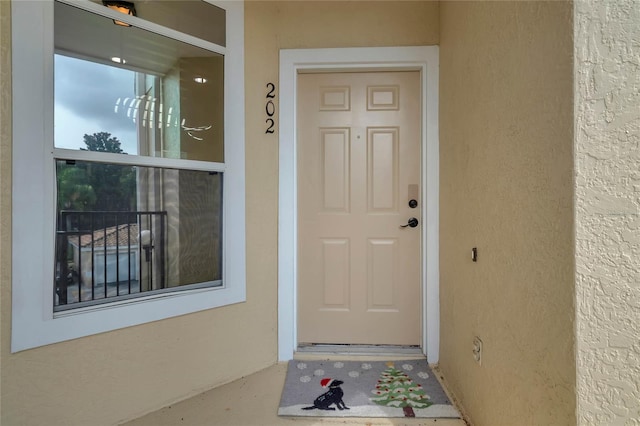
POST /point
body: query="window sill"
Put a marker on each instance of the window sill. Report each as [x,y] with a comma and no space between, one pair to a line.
[81,322]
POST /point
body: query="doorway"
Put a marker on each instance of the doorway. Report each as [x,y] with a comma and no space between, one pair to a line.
[358,174]
[421,62]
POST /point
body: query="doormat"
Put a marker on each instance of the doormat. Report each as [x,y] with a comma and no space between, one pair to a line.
[364,389]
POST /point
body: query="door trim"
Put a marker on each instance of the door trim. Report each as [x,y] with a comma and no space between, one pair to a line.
[295,61]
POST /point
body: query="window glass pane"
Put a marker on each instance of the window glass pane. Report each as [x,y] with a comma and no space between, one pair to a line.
[157,96]
[125,230]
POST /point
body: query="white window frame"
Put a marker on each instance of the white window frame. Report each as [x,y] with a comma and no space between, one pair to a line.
[33,186]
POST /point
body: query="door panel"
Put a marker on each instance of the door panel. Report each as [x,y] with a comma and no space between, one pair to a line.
[335,169]
[335,273]
[382,170]
[358,164]
[381,261]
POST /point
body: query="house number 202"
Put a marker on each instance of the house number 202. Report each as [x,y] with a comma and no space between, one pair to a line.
[270,108]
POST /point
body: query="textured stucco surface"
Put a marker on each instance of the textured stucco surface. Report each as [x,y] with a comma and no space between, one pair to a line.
[506,175]
[114,376]
[607,157]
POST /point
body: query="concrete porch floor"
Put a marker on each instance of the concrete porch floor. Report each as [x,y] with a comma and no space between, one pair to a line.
[254,400]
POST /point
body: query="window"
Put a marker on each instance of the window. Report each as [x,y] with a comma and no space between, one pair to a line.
[124,90]
[128,197]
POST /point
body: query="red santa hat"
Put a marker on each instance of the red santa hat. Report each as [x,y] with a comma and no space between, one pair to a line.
[326,382]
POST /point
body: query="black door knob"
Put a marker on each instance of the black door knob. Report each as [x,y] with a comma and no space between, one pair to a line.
[413,222]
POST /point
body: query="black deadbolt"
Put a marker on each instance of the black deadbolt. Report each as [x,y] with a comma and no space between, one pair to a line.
[413,203]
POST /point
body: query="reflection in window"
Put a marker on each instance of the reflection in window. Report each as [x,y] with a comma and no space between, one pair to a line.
[159,97]
[124,230]
[198,18]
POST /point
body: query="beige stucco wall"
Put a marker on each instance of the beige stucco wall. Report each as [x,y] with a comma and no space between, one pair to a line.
[118,375]
[506,188]
[607,158]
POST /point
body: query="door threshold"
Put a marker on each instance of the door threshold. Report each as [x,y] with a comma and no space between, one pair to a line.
[357,352]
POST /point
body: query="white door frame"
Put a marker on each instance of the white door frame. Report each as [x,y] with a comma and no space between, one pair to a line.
[295,61]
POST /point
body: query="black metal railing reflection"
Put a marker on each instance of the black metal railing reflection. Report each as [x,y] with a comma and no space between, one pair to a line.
[108,255]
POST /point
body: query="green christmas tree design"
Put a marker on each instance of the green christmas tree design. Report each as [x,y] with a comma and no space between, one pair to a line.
[396,389]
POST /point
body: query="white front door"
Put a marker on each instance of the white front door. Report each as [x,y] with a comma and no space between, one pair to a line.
[358,170]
